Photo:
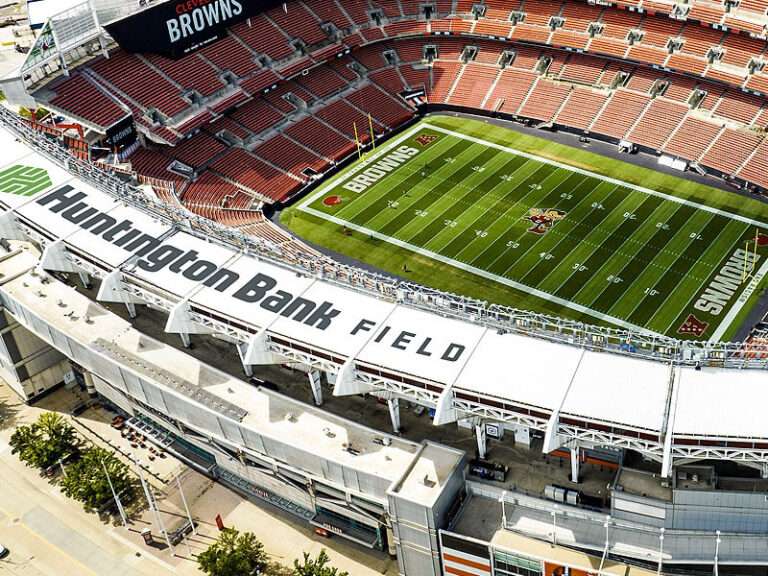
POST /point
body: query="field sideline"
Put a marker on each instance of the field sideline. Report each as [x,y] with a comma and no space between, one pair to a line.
[481,210]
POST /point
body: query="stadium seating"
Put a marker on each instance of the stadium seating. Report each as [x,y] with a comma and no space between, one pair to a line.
[583,70]
[198,150]
[323,140]
[348,120]
[384,109]
[692,138]
[473,85]
[210,193]
[756,170]
[657,123]
[289,156]
[269,182]
[155,164]
[545,100]
[581,108]
[129,75]
[257,115]
[278,99]
[731,150]
[621,113]
[81,98]
[193,73]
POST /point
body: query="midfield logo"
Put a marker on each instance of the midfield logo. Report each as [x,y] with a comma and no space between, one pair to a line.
[425,139]
[693,326]
[543,220]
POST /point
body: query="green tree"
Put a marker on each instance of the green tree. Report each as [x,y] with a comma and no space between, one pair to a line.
[46,441]
[316,566]
[86,481]
[234,554]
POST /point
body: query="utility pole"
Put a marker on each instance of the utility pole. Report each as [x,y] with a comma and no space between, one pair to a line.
[153,506]
[186,506]
[115,496]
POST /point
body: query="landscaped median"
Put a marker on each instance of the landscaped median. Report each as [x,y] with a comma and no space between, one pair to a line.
[89,474]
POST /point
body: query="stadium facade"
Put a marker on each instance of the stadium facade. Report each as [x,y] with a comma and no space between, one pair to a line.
[588,393]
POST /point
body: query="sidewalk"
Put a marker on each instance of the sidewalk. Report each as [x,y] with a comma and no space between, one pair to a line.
[77,543]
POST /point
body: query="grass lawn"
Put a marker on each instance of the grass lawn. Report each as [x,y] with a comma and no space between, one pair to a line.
[480,210]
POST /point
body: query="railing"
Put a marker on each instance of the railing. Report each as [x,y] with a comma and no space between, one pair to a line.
[503,319]
[573,526]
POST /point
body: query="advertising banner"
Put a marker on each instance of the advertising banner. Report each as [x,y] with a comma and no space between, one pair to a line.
[179,27]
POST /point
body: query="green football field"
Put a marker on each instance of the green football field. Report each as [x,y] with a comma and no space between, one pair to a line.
[484,211]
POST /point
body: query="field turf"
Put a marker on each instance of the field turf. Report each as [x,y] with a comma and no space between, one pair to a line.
[480,210]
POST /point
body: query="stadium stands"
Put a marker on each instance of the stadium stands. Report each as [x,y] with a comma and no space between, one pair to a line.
[82,99]
[621,113]
[581,108]
[278,99]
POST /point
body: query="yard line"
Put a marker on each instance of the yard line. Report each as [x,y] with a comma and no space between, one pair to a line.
[547,192]
[569,272]
[448,207]
[427,185]
[567,233]
[556,231]
[403,224]
[502,214]
[723,254]
[558,234]
[640,254]
[594,282]
[704,207]
[400,177]
[482,273]
[670,267]
[509,220]
[492,197]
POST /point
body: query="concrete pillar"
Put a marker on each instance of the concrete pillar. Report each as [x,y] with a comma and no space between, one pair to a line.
[85,279]
[242,350]
[394,413]
[317,390]
[575,464]
[185,339]
[522,436]
[131,309]
[482,440]
[89,385]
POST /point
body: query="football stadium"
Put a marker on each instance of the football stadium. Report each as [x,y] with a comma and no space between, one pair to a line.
[477,286]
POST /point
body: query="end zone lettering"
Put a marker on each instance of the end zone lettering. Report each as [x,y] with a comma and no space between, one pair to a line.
[726,283]
[378,170]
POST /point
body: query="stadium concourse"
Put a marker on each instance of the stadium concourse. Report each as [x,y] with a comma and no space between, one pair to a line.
[176,125]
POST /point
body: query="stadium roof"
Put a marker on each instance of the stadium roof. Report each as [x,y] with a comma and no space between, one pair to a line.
[81,324]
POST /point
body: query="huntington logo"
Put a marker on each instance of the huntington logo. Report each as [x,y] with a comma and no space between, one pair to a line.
[24,180]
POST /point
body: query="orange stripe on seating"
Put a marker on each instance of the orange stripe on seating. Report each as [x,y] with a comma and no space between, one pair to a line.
[457,572]
[470,563]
